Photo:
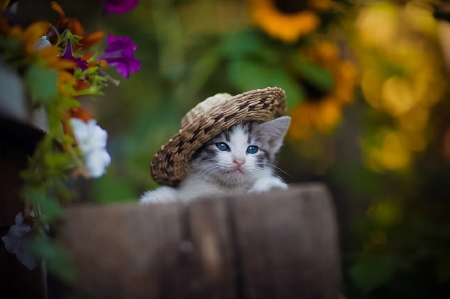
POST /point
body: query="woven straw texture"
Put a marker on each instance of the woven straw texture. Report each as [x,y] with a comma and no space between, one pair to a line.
[170,164]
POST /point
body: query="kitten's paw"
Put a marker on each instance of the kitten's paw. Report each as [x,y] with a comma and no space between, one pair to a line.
[264,185]
[160,195]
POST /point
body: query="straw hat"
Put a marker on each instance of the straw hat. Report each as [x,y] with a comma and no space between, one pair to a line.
[215,114]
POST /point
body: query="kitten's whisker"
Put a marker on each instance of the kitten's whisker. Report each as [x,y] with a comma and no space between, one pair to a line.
[205,171]
[204,167]
[266,171]
[278,168]
[255,173]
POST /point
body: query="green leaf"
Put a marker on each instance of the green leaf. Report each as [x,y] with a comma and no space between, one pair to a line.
[57,258]
[247,43]
[58,162]
[89,71]
[240,44]
[42,83]
[373,272]
[317,75]
[108,189]
[9,44]
[202,70]
[247,75]
[50,209]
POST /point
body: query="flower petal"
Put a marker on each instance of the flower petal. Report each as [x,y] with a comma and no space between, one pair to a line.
[119,6]
[61,15]
[97,161]
[18,242]
[121,55]
[91,39]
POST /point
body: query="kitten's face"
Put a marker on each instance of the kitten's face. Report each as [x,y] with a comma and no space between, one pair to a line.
[241,154]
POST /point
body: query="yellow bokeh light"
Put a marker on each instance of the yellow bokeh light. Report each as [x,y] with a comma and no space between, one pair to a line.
[390,152]
[370,83]
[397,96]
[394,153]
[377,24]
[420,18]
[385,213]
[415,120]
[415,141]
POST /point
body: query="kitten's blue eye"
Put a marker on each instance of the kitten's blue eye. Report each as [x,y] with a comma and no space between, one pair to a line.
[252,149]
[222,146]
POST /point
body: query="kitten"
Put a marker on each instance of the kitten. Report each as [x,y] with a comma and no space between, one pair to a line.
[237,161]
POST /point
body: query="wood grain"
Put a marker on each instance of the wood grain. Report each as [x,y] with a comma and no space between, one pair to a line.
[276,245]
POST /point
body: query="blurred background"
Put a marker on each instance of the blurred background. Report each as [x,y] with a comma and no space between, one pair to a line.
[366,85]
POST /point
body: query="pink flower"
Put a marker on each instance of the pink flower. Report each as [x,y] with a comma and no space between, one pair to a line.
[121,55]
[119,6]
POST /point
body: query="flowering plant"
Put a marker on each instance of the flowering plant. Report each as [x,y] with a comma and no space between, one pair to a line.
[56,69]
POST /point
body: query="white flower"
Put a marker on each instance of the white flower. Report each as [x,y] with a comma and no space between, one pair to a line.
[18,242]
[97,161]
[91,139]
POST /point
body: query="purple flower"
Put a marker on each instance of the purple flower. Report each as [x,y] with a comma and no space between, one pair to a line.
[119,6]
[19,240]
[121,54]
[68,55]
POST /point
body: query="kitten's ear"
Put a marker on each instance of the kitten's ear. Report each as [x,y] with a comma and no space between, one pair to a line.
[274,131]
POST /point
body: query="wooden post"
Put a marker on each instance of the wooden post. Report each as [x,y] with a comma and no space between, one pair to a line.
[276,245]
[17,142]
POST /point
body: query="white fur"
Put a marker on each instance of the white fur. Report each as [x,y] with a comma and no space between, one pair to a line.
[223,178]
[266,184]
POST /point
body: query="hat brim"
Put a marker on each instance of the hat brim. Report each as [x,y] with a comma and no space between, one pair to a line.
[171,163]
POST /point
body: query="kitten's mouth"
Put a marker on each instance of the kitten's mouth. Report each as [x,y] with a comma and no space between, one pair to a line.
[239,170]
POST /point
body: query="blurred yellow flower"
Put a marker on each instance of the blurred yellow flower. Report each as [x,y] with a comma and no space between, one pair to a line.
[402,70]
[392,153]
[51,58]
[29,36]
[322,111]
[403,77]
[310,116]
[287,20]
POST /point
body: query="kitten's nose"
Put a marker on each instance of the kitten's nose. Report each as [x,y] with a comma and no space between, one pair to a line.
[238,161]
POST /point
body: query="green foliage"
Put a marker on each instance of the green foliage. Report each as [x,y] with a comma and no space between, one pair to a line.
[108,189]
[57,258]
[255,63]
[10,49]
[56,156]
[373,271]
[248,75]
[97,82]
[318,76]
[201,71]
[248,44]
[42,83]
[386,213]
[50,210]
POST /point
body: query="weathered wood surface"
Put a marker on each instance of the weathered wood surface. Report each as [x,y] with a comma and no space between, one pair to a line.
[276,245]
